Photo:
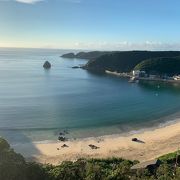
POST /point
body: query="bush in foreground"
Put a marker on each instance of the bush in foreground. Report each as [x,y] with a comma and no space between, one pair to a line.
[14,167]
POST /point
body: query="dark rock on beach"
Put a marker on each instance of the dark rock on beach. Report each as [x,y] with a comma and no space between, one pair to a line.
[93,146]
[61,134]
[62,138]
[134,139]
[66,132]
[64,145]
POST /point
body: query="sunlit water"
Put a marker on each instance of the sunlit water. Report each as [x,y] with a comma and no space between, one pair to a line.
[36,104]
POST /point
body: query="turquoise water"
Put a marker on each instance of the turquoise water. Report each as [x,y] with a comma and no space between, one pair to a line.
[35,104]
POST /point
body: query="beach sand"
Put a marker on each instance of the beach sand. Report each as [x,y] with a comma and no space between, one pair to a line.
[156,143]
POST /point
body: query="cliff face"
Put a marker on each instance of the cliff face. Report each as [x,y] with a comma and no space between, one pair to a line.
[125,61]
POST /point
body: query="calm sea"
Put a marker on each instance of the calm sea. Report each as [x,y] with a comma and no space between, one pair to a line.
[36,104]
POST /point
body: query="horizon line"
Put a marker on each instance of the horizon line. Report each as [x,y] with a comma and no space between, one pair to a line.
[78,49]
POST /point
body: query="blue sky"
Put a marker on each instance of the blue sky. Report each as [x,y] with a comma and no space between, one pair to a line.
[91,24]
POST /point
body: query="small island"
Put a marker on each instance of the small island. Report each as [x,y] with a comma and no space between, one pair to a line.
[47,65]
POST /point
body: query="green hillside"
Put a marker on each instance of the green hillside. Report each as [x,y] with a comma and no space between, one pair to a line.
[170,66]
[125,61]
[85,55]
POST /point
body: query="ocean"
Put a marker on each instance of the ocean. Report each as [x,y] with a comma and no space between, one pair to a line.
[37,104]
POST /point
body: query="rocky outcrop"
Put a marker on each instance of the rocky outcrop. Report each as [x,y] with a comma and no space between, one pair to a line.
[69,55]
[76,67]
[85,55]
[47,65]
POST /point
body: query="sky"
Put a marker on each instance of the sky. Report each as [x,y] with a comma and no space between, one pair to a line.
[91,24]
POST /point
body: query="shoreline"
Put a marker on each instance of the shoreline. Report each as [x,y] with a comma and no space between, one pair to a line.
[154,142]
[127,75]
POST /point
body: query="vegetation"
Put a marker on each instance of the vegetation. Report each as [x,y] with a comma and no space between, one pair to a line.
[169,66]
[170,157]
[125,61]
[85,55]
[14,167]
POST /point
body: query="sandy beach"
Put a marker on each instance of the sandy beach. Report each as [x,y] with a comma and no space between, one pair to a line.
[154,143]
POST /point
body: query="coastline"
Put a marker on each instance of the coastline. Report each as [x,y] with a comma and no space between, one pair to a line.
[153,143]
[127,75]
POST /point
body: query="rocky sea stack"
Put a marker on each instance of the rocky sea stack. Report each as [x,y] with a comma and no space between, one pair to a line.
[47,65]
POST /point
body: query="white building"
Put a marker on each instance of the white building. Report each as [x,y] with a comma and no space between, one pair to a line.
[138,73]
[177,78]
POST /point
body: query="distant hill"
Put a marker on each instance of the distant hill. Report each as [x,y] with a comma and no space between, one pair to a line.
[85,55]
[125,61]
[170,66]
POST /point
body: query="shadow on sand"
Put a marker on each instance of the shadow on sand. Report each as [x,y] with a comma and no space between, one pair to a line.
[20,143]
[139,141]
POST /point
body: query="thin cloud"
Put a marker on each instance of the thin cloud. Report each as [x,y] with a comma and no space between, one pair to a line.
[36,1]
[73,1]
[28,1]
[125,45]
